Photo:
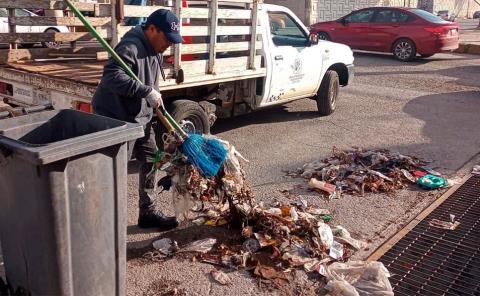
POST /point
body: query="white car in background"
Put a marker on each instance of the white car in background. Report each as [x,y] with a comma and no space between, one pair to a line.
[4,28]
[447,15]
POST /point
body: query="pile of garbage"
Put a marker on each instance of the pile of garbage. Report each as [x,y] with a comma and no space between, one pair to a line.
[218,196]
[271,241]
[359,171]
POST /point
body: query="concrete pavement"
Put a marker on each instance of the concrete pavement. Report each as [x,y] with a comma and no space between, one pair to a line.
[428,108]
[469,36]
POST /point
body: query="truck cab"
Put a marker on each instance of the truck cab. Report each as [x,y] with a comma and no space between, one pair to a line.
[296,62]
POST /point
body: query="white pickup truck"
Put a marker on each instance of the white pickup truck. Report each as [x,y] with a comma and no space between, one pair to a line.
[227,75]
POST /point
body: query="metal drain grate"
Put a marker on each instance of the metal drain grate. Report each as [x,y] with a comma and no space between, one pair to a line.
[433,261]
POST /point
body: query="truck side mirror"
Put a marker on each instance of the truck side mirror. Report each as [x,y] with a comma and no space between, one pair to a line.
[312,39]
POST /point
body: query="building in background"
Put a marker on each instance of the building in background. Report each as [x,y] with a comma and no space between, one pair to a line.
[312,11]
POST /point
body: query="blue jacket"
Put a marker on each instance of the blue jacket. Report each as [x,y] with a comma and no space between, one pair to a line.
[118,95]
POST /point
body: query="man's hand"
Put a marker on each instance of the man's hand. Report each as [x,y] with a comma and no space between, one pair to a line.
[154,99]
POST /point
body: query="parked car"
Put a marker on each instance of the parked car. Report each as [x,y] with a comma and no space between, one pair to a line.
[401,31]
[446,15]
[476,14]
[4,28]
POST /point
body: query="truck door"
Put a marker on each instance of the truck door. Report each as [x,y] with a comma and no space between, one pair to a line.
[295,66]
[3,20]
[23,29]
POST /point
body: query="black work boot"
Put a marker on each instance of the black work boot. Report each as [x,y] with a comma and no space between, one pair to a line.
[153,219]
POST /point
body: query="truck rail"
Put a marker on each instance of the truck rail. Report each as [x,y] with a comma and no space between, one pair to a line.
[218,46]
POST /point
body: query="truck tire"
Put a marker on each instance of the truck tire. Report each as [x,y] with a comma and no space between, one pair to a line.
[327,94]
[52,44]
[189,114]
[323,36]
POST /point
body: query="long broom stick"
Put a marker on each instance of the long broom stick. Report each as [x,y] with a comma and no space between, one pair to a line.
[163,115]
[207,154]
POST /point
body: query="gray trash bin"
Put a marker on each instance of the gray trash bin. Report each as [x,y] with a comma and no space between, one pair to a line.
[63,182]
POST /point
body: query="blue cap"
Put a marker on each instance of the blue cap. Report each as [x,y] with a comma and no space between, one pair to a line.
[168,23]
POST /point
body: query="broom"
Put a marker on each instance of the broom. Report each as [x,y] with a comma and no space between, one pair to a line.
[207,154]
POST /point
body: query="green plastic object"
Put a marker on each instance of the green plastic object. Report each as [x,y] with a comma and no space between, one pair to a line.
[327,218]
[158,157]
[431,182]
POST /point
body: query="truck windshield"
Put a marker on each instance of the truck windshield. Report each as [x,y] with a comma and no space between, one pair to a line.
[285,31]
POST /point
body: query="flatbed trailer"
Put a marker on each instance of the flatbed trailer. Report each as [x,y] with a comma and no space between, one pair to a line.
[68,76]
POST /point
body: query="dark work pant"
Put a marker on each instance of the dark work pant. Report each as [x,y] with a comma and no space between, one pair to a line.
[144,151]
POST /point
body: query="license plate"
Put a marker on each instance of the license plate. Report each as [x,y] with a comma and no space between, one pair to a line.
[30,95]
[453,32]
[23,93]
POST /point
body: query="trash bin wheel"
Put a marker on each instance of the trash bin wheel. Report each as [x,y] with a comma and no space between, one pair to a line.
[327,94]
[189,114]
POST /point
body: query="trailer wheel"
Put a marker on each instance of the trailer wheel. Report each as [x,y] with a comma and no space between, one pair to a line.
[327,94]
[52,44]
[189,114]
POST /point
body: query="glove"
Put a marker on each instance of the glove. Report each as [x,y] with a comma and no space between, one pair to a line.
[154,99]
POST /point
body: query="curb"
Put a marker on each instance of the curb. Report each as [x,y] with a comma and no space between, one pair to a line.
[468,48]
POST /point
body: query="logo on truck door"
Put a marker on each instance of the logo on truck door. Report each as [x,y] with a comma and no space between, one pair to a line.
[297,69]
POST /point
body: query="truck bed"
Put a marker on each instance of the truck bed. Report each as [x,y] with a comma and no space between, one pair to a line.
[85,72]
[58,75]
[221,44]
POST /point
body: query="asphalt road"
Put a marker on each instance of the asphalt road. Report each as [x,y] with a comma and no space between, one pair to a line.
[428,108]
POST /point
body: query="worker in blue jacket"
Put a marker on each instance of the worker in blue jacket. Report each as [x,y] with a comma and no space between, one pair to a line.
[122,97]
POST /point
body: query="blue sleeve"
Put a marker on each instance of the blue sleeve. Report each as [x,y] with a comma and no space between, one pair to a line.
[118,80]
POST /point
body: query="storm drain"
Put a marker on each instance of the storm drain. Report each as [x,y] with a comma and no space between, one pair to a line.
[430,260]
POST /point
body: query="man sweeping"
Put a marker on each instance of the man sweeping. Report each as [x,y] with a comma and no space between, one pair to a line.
[122,97]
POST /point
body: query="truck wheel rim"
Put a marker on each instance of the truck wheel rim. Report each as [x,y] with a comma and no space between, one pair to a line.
[188,126]
[52,44]
[322,37]
[403,50]
[334,94]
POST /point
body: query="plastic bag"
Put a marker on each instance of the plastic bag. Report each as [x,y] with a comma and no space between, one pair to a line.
[343,236]
[326,235]
[366,278]
[164,246]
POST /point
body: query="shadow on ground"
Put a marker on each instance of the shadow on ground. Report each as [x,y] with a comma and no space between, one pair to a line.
[268,115]
[451,129]
[452,125]
[387,60]
[183,236]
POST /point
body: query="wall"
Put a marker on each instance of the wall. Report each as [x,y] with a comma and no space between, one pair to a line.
[312,11]
[331,9]
[461,8]
[299,7]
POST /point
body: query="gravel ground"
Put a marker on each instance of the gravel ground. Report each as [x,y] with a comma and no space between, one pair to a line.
[428,108]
